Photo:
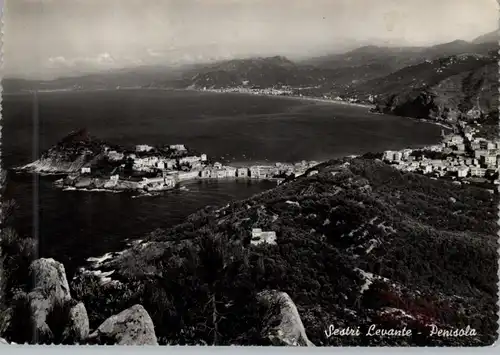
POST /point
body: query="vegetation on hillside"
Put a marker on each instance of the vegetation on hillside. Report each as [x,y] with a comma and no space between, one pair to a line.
[354,223]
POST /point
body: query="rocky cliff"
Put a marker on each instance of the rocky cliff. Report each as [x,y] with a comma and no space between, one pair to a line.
[459,87]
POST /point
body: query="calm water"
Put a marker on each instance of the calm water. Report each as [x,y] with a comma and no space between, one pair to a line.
[234,128]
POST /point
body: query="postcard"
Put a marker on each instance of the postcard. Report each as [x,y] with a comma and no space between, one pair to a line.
[250,173]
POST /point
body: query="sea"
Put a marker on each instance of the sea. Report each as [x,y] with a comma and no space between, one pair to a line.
[72,226]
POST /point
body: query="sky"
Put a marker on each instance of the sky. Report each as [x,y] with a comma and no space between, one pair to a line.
[48,38]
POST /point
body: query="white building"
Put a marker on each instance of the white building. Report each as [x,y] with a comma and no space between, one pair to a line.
[85,170]
[178,147]
[259,237]
[217,165]
[462,171]
[427,169]
[230,172]
[170,181]
[203,157]
[188,175]
[388,155]
[476,171]
[205,173]
[266,172]
[170,163]
[160,165]
[242,172]
[113,155]
[143,148]
[479,153]
[407,153]
[398,156]
[189,160]
[221,174]
[489,160]
[254,172]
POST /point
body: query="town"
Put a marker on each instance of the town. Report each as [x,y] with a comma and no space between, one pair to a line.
[461,156]
[304,93]
[149,169]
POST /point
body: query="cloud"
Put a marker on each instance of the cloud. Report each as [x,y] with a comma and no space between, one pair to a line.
[106,33]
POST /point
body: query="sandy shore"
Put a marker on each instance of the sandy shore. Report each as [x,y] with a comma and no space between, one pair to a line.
[290,97]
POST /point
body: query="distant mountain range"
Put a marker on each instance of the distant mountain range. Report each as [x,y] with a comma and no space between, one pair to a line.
[441,81]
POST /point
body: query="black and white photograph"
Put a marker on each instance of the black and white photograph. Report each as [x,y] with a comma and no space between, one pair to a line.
[311,173]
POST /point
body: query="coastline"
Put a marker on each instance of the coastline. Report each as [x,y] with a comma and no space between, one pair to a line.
[290,97]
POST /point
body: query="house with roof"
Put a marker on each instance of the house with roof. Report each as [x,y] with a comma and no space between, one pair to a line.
[205,173]
[230,171]
[242,172]
[462,171]
[260,237]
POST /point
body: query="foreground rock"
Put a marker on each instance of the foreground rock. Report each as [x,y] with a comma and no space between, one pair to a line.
[49,277]
[133,326]
[283,325]
[50,288]
[77,329]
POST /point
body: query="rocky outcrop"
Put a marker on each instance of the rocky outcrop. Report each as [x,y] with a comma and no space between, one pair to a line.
[77,330]
[50,288]
[133,326]
[59,319]
[76,150]
[282,323]
[3,341]
[49,278]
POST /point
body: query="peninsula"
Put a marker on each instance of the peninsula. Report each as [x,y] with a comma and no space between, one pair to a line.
[91,164]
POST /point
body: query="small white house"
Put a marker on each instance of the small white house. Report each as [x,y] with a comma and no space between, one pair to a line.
[427,169]
[230,172]
[205,174]
[259,237]
[178,147]
[242,172]
[463,171]
[86,170]
[143,148]
[221,174]
[203,157]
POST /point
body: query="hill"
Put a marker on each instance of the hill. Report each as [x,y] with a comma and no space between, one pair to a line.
[491,37]
[252,72]
[69,155]
[130,77]
[375,61]
[357,243]
[461,87]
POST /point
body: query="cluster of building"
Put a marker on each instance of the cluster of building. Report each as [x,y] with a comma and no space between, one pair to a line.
[459,155]
[155,170]
[255,91]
